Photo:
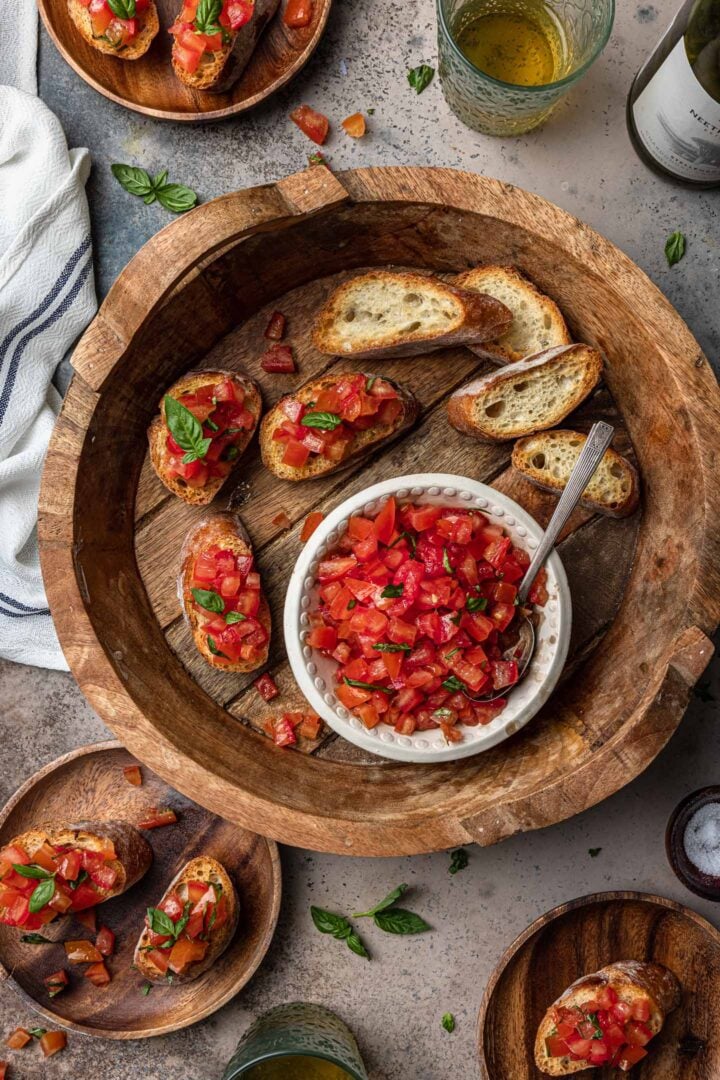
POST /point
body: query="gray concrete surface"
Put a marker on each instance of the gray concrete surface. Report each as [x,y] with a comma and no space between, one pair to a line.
[583,161]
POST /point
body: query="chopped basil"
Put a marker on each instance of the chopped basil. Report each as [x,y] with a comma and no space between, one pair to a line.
[411,541]
[185,429]
[214,649]
[446,562]
[351,604]
[209,600]
[674,248]
[448,1022]
[442,713]
[230,453]
[31,871]
[206,17]
[476,603]
[593,852]
[82,876]
[234,617]
[145,990]
[420,77]
[452,653]
[326,421]
[37,1033]
[370,382]
[42,895]
[160,922]
[386,902]
[392,591]
[453,683]
[35,939]
[367,686]
[211,424]
[458,860]
[122,9]
[391,647]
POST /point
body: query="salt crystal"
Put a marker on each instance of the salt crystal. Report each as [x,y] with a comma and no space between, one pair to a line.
[702,839]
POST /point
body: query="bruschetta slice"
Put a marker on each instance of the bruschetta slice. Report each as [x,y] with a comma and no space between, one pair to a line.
[606,1019]
[192,925]
[206,422]
[221,594]
[122,28]
[331,422]
[387,313]
[214,40]
[61,869]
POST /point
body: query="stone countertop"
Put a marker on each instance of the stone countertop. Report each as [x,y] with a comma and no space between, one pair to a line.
[583,161]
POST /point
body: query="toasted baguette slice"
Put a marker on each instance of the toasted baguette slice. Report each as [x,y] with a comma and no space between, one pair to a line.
[217,71]
[632,981]
[133,853]
[134,50]
[158,433]
[227,531]
[528,396]
[537,322]
[363,442]
[383,313]
[210,872]
[548,459]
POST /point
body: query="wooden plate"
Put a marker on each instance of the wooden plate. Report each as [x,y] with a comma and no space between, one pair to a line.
[581,937]
[149,86]
[645,590]
[88,783]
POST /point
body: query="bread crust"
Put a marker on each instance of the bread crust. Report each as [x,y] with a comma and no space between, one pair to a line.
[481,318]
[364,443]
[201,868]
[631,980]
[134,50]
[158,431]
[461,405]
[226,529]
[524,450]
[217,71]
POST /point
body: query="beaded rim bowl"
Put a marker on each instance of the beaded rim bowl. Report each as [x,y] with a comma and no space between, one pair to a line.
[314,672]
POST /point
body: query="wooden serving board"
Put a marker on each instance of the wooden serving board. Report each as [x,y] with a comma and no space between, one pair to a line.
[581,937]
[644,588]
[88,784]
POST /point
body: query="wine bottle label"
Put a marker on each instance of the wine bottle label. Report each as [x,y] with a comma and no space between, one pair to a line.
[678,121]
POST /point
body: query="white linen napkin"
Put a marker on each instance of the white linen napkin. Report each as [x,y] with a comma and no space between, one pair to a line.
[47,297]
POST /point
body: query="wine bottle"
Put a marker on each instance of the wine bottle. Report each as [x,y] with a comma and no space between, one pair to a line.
[674,103]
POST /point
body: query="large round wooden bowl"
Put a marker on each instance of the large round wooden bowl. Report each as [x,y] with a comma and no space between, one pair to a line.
[645,590]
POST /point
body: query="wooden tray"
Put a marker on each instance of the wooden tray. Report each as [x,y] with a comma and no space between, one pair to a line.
[581,937]
[149,86]
[200,291]
[88,783]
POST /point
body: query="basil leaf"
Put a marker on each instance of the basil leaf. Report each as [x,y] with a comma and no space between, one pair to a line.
[442,713]
[207,15]
[82,876]
[149,199]
[123,9]
[412,542]
[420,77]
[214,649]
[42,894]
[31,871]
[182,922]
[176,197]
[37,1033]
[160,922]
[135,181]
[35,939]
[367,686]
[453,683]
[458,860]
[230,453]
[327,421]
[355,945]
[316,159]
[674,248]
[387,902]
[452,653]
[593,852]
[392,591]
[146,989]
[212,425]
[476,603]
[392,647]
[370,382]
[399,921]
[160,179]
[234,617]
[185,429]
[329,923]
[448,1022]
[209,600]
[352,604]
[446,562]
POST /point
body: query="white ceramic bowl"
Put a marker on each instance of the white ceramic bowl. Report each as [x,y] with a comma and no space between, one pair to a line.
[314,672]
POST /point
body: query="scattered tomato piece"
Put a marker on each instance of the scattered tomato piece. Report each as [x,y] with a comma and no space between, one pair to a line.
[52,1042]
[18,1038]
[283,733]
[98,974]
[156,819]
[311,123]
[105,941]
[310,726]
[82,952]
[56,983]
[266,687]
[310,524]
[298,14]
[278,359]
[133,775]
[276,327]
[355,125]
[282,520]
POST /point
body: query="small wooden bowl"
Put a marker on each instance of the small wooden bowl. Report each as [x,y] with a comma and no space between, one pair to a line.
[582,936]
[88,783]
[149,86]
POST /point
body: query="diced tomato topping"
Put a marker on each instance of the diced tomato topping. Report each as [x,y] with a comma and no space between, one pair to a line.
[266,687]
[156,819]
[219,407]
[311,123]
[53,1041]
[298,14]
[275,330]
[601,1031]
[105,941]
[278,360]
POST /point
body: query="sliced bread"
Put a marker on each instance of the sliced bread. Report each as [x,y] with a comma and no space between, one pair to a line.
[531,395]
[548,459]
[149,27]
[385,313]
[537,321]
[217,71]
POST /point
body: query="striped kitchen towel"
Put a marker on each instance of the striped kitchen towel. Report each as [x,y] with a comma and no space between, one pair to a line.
[47,297]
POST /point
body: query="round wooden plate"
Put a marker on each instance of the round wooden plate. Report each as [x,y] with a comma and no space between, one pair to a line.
[581,937]
[149,86]
[88,783]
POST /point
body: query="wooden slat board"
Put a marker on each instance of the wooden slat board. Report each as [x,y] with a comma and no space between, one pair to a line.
[597,553]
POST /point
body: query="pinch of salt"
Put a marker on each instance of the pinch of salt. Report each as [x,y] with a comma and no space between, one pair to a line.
[702,839]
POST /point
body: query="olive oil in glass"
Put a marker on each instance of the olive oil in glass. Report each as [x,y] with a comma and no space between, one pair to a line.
[519,43]
[297,1068]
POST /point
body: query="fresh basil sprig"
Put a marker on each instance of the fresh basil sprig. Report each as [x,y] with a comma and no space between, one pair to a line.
[386,902]
[458,860]
[186,430]
[674,247]
[420,77]
[327,421]
[206,18]
[337,925]
[122,9]
[399,921]
[136,181]
[209,600]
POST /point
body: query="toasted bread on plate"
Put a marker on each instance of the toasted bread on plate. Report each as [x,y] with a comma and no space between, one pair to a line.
[108,39]
[216,69]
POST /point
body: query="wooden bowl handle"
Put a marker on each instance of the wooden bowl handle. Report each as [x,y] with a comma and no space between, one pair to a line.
[178,249]
[655,721]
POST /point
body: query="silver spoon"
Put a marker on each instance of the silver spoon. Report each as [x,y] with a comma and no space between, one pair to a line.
[521,651]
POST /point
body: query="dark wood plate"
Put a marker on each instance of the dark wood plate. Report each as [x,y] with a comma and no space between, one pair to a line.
[149,86]
[581,937]
[88,783]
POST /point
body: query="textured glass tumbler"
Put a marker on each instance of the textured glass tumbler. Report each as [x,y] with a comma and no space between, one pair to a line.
[301,1034]
[499,108]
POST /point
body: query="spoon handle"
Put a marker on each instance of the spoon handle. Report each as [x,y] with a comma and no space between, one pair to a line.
[596,444]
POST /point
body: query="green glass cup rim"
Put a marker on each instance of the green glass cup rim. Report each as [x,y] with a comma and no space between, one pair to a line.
[274,1055]
[560,83]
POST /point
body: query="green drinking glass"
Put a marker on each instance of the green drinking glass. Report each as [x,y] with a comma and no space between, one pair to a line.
[299,1041]
[505,64]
